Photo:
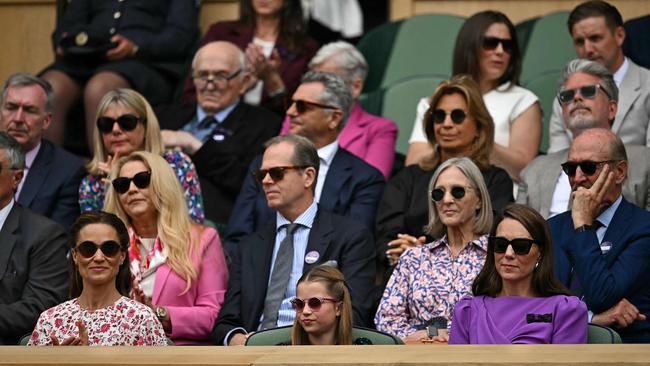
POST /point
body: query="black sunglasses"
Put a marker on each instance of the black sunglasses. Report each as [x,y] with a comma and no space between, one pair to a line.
[276,173]
[521,246]
[457,192]
[303,106]
[87,249]
[141,180]
[587,91]
[314,303]
[491,43]
[457,116]
[588,167]
[127,122]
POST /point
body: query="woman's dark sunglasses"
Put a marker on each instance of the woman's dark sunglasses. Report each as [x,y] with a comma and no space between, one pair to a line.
[521,246]
[127,122]
[457,116]
[588,167]
[491,43]
[314,303]
[303,106]
[276,173]
[587,91]
[141,180]
[87,249]
[457,192]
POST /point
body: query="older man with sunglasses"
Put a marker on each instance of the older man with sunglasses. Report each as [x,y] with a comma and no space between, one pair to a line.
[221,133]
[602,246]
[588,97]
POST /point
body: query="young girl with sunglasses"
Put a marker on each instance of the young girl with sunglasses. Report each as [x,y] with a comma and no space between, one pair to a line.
[99,314]
[517,298]
[323,309]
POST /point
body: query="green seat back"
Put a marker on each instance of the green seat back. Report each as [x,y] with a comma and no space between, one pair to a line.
[598,334]
[524,29]
[282,337]
[400,101]
[376,47]
[545,85]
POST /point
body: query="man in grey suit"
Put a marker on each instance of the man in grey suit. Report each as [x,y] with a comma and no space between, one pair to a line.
[33,265]
[597,31]
[589,100]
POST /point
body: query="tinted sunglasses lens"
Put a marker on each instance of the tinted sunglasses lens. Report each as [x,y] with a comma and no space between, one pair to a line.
[86,249]
[438,116]
[589,91]
[110,248]
[121,184]
[500,245]
[105,124]
[490,43]
[521,246]
[297,304]
[588,167]
[142,179]
[127,122]
[437,194]
[301,107]
[314,303]
[458,116]
[276,174]
[566,96]
[507,44]
[259,175]
[458,192]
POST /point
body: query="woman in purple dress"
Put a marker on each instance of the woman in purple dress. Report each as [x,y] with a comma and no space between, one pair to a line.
[517,298]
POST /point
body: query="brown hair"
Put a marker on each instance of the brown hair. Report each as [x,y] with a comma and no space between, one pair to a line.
[293,30]
[336,286]
[466,87]
[591,9]
[544,283]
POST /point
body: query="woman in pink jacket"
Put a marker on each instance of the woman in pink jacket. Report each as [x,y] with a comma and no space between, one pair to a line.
[177,267]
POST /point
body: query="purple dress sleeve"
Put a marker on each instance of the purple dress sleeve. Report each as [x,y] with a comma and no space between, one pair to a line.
[570,323]
[459,332]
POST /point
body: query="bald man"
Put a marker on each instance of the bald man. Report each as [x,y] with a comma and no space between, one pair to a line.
[220,132]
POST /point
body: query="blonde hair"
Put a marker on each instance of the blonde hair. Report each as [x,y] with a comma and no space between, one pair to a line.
[134,100]
[174,225]
[334,282]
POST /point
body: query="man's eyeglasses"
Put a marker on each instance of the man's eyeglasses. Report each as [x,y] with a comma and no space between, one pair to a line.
[276,173]
[127,122]
[303,106]
[588,167]
[521,246]
[220,80]
[587,91]
[457,192]
[491,43]
[314,303]
[457,116]
[141,180]
[87,249]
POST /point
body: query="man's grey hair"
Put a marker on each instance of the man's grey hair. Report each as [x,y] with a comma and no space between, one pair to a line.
[304,151]
[592,68]
[240,56]
[336,92]
[24,79]
[13,149]
[346,57]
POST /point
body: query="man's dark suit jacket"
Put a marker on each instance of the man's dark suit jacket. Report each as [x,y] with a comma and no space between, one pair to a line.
[33,271]
[51,187]
[605,279]
[222,165]
[352,188]
[333,237]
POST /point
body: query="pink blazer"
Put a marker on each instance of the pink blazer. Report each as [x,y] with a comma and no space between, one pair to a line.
[194,312]
[370,137]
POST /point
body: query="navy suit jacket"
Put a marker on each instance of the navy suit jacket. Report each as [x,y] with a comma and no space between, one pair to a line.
[51,187]
[605,279]
[352,188]
[332,236]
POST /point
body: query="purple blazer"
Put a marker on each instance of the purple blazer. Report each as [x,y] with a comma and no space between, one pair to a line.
[194,312]
[370,137]
[556,319]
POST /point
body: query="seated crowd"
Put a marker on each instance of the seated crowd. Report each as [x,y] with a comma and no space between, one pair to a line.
[265,198]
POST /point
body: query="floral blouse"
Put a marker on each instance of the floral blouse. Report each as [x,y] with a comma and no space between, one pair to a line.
[426,283]
[92,191]
[124,323]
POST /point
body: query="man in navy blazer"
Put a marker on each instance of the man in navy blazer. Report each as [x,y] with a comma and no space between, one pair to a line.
[288,175]
[50,184]
[602,246]
[348,186]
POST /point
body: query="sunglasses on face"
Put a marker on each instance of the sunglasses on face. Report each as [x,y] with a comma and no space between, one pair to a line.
[276,173]
[587,91]
[141,180]
[314,303]
[87,249]
[457,116]
[521,246]
[127,122]
[588,167]
[457,192]
[491,43]
[303,106]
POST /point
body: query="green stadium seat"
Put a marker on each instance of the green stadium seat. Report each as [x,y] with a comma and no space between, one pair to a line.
[545,85]
[282,337]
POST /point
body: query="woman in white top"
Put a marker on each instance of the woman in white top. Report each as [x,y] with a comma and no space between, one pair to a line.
[486,48]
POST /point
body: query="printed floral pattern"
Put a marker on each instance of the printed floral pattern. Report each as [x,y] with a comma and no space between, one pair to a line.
[92,191]
[427,282]
[124,323]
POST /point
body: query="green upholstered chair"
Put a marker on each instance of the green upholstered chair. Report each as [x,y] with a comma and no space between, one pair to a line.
[599,334]
[282,337]
[376,47]
[545,85]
